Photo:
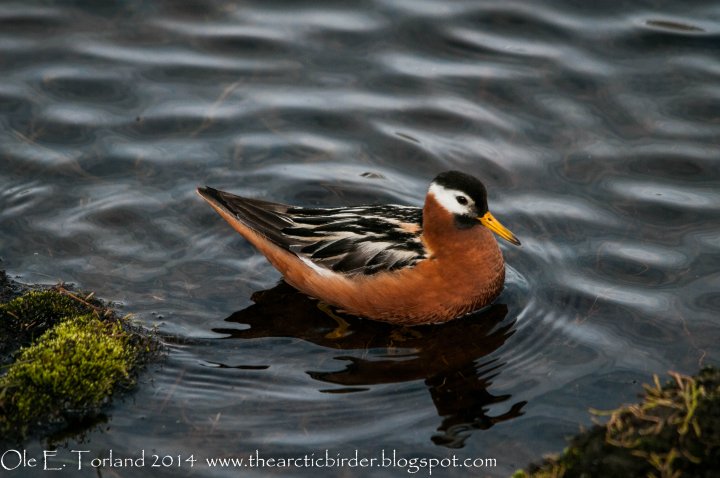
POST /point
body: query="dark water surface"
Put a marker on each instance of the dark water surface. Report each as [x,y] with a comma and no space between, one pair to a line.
[595,126]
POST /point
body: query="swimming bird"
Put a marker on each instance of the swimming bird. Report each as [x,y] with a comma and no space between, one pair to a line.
[399,264]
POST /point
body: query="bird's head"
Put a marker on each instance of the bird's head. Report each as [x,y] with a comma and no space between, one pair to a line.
[465,197]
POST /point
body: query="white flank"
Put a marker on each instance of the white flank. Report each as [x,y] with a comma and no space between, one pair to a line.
[319,269]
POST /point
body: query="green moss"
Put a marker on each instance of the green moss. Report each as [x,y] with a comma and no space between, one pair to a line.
[42,308]
[73,354]
[673,432]
[89,359]
[28,316]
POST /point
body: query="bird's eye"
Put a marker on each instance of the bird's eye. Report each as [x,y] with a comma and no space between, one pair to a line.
[461,200]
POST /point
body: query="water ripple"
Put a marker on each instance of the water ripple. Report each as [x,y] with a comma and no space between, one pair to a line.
[595,130]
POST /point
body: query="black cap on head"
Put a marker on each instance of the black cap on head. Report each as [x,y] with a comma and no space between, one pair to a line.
[454,191]
[467,184]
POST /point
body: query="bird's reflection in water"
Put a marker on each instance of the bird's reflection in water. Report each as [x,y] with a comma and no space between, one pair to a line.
[447,357]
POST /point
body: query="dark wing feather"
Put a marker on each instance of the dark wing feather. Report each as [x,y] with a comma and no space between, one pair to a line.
[358,240]
[264,217]
[353,240]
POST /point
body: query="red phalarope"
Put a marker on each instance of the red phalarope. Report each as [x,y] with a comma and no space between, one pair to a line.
[398,264]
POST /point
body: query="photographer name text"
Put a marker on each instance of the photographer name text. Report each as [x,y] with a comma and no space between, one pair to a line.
[74,460]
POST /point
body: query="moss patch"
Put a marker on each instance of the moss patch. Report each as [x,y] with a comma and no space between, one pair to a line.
[69,353]
[30,315]
[673,432]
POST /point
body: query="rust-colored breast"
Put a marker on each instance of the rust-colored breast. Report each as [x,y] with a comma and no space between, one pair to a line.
[464,271]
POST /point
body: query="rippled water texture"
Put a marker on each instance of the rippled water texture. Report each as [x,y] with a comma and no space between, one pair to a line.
[595,127]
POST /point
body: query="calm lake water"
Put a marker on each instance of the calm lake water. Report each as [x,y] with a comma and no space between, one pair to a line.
[595,127]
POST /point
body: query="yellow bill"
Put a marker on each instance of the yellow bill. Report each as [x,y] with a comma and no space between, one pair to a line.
[489,221]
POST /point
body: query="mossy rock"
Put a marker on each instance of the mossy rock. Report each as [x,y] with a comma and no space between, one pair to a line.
[69,354]
[674,432]
[30,315]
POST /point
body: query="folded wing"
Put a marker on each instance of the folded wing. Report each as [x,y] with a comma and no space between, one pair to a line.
[350,240]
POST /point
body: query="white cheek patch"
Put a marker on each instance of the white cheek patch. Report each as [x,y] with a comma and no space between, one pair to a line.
[447,199]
